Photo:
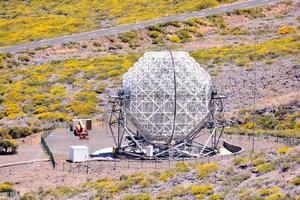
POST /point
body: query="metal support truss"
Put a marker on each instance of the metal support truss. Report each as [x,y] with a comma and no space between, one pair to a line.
[188,148]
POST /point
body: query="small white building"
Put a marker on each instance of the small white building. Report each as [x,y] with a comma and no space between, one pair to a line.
[79,153]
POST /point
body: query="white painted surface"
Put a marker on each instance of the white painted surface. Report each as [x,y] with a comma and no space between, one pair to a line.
[149,151]
[79,153]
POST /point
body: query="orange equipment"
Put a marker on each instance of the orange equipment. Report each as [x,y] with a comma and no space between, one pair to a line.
[81,132]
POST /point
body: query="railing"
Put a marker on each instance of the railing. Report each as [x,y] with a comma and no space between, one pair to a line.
[44,143]
[46,147]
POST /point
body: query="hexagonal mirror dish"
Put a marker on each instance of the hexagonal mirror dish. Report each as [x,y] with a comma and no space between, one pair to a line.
[150,84]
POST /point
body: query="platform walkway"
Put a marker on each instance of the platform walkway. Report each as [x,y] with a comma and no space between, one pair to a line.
[61,139]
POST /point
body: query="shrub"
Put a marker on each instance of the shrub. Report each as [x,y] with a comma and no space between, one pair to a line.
[166,175]
[266,192]
[96,44]
[182,167]
[206,169]
[198,21]
[284,150]
[51,116]
[183,35]
[234,31]
[276,196]
[85,96]
[128,37]
[174,38]
[215,197]
[155,27]
[119,46]
[264,168]
[145,196]
[207,4]
[249,125]
[171,23]
[114,73]
[61,191]
[284,30]
[201,189]
[29,196]
[250,12]
[153,34]
[24,58]
[146,182]
[6,187]
[267,121]
[237,179]
[101,88]
[218,20]
[179,191]
[8,146]
[296,181]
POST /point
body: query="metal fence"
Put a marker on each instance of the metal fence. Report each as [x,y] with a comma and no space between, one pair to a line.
[45,135]
[46,147]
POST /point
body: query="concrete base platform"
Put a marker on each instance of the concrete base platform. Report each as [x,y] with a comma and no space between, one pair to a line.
[61,139]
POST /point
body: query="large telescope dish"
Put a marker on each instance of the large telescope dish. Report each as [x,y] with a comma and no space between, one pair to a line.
[149,86]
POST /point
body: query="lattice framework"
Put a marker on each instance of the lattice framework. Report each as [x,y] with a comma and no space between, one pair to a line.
[150,84]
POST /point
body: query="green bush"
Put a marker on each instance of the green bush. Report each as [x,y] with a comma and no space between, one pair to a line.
[182,167]
[206,169]
[250,12]
[218,20]
[237,179]
[100,89]
[8,146]
[179,191]
[215,197]
[128,37]
[17,132]
[24,58]
[155,27]
[166,175]
[183,35]
[153,33]
[266,192]
[267,121]
[144,196]
[171,23]
[234,31]
[174,38]
[202,189]
[296,181]
[29,196]
[284,30]
[264,168]
[284,150]
[203,4]
[276,196]
[6,187]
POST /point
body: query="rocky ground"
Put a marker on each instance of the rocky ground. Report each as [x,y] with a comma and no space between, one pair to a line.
[275,83]
[268,174]
[34,174]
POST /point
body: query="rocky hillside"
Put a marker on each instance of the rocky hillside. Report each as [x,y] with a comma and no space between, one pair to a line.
[53,84]
[271,175]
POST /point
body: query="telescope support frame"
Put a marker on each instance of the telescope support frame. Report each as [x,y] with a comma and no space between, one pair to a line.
[176,150]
